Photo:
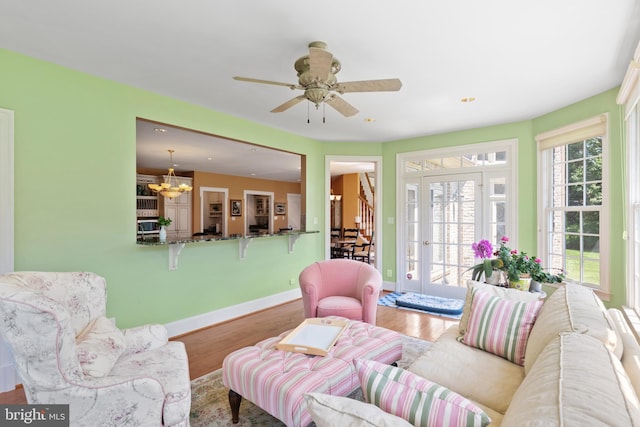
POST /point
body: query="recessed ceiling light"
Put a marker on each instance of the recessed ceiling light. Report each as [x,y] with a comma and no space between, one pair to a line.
[469,99]
[209,158]
[161,130]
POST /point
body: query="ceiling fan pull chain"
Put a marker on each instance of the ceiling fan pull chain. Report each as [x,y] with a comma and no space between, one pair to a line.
[308,113]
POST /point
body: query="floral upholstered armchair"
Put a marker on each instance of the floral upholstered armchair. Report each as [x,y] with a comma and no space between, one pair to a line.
[68,352]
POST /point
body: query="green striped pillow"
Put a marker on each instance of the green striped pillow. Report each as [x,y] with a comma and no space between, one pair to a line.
[416,399]
[500,326]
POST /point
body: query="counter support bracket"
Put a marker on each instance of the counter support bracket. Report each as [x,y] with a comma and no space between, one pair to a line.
[292,241]
[243,244]
[174,253]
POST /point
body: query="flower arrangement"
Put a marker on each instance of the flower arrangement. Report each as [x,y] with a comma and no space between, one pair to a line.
[484,250]
[516,263]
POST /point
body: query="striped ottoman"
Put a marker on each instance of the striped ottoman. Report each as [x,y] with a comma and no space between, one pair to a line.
[277,380]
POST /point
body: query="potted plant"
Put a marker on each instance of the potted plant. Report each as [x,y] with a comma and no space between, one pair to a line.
[163,223]
[484,250]
[517,265]
[541,276]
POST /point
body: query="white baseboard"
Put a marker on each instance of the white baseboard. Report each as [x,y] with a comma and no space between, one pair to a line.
[389,286]
[189,324]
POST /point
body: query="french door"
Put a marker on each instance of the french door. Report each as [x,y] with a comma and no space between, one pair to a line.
[444,214]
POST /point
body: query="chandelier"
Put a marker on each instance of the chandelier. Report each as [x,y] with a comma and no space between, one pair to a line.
[170,188]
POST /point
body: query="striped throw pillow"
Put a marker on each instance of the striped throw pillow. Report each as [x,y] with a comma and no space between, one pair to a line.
[416,399]
[500,326]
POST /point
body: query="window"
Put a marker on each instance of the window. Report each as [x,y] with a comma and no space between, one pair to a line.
[629,96]
[572,196]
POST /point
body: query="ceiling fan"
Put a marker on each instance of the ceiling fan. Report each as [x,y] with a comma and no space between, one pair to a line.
[317,77]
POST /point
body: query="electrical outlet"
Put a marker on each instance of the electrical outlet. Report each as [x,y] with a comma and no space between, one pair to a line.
[389,273]
[292,281]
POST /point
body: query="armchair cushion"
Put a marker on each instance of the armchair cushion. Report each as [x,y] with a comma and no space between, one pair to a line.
[145,337]
[340,306]
[99,346]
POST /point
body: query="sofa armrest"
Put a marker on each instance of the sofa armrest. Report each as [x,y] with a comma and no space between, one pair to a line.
[143,338]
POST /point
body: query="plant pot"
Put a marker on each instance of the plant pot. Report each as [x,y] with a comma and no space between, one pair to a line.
[523,284]
[163,233]
[494,279]
[535,286]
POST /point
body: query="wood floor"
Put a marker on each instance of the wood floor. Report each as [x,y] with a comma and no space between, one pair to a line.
[207,347]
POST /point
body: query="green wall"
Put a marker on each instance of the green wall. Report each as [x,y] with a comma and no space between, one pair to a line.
[74,191]
[75,169]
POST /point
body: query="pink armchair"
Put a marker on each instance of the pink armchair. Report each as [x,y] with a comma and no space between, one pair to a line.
[341,287]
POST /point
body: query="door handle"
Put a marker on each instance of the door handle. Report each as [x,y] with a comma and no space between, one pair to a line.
[426,243]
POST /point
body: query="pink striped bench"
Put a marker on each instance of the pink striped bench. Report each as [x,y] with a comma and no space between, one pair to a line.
[277,380]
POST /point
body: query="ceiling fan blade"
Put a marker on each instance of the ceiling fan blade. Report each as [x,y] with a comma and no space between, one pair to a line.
[341,106]
[320,63]
[269,82]
[290,103]
[384,85]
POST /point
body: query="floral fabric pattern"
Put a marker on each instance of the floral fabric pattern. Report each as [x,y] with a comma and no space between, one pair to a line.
[43,314]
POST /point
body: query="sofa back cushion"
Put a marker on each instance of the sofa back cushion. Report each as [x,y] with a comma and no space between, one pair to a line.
[571,308]
[500,326]
[505,293]
[575,381]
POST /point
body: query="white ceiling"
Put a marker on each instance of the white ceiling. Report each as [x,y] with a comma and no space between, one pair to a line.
[518,59]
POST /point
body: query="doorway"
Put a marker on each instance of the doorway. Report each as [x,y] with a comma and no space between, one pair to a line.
[447,200]
[353,199]
[213,213]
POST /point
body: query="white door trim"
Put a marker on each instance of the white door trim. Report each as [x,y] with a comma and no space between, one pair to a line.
[7,366]
[377,161]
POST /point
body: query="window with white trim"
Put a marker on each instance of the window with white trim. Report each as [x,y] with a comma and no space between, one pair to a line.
[572,194]
[629,96]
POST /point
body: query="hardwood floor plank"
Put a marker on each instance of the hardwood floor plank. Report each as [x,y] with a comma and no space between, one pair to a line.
[207,347]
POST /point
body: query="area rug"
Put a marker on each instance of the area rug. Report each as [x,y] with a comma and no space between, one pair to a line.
[389,300]
[210,398]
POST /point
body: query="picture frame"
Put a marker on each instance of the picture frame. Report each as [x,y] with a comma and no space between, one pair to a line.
[280,209]
[236,207]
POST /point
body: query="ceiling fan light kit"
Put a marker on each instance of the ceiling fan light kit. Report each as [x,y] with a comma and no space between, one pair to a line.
[317,77]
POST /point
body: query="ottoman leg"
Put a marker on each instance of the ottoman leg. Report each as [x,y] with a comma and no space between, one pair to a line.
[234,402]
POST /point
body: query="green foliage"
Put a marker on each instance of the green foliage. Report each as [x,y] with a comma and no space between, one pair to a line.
[162,221]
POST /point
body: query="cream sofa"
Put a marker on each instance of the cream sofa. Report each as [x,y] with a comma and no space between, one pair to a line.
[568,362]
[581,365]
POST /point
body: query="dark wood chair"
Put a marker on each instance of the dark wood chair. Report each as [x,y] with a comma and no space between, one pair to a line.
[349,238]
[336,235]
[361,251]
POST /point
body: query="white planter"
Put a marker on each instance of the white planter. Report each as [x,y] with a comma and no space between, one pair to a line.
[163,234]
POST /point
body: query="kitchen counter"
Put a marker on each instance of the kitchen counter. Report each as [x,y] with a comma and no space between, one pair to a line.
[176,242]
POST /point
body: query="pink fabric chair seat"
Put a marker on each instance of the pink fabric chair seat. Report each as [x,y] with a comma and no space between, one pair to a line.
[341,287]
[340,306]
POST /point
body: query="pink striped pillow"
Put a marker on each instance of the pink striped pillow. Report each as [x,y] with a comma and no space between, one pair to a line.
[500,326]
[415,399]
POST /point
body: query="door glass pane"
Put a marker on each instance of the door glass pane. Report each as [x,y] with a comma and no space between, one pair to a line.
[452,230]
